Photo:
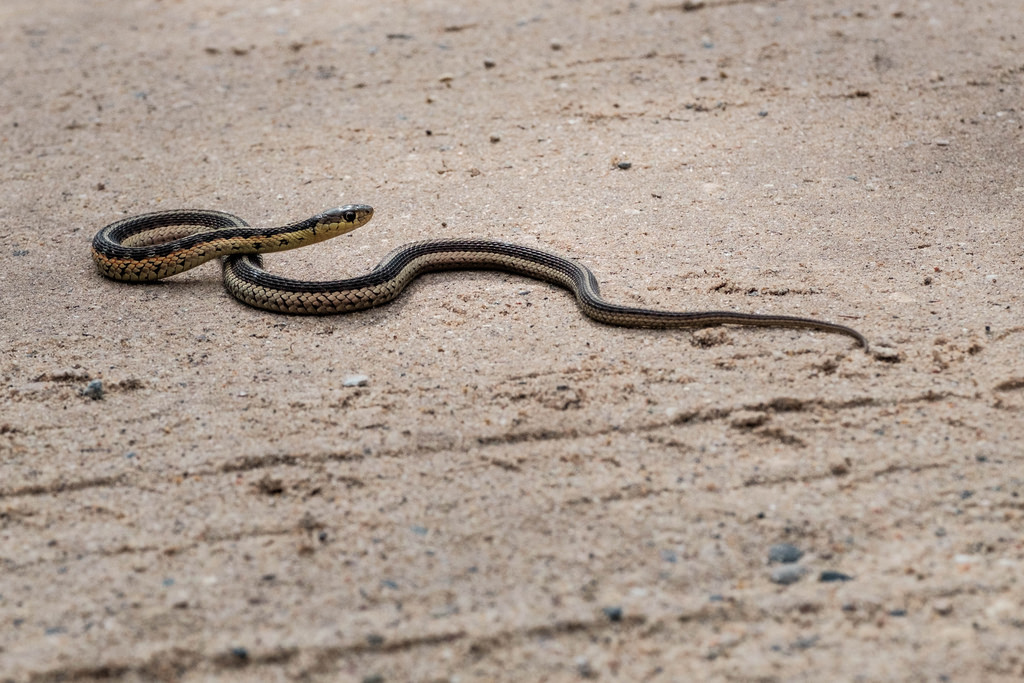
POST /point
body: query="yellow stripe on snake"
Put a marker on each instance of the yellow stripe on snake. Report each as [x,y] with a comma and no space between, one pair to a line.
[157,245]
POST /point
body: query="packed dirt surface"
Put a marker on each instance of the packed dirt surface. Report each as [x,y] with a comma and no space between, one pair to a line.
[476,482]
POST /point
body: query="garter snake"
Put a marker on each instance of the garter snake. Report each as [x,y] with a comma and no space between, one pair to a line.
[157,245]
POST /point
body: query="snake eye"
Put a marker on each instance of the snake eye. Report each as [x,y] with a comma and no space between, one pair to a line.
[349,216]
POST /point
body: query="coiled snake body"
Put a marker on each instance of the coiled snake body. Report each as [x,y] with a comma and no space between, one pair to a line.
[157,245]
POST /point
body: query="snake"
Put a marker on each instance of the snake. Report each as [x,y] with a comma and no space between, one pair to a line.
[157,245]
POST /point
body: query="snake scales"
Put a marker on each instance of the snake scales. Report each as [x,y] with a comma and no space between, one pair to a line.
[157,245]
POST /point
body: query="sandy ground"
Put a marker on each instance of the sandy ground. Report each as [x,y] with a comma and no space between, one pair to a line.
[518,493]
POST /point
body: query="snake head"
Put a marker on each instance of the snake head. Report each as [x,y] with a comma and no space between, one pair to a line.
[343,219]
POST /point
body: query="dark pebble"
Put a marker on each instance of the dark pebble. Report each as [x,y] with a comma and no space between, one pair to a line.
[93,390]
[624,165]
[240,653]
[897,613]
[784,553]
[830,576]
[613,613]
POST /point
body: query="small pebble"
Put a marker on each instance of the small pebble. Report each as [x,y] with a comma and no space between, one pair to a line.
[897,613]
[613,613]
[805,643]
[624,165]
[355,381]
[93,390]
[830,576]
[490,64]
[840,468]
[240,653]
[784,553]
[495,138]
[943,607]
[787,574]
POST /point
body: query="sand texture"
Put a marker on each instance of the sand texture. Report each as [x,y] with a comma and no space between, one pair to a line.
[516,492]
